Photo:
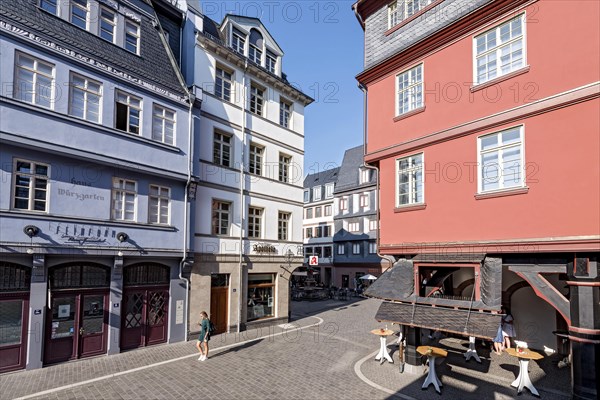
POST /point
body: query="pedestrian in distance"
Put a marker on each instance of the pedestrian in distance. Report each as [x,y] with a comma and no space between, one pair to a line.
[508,329]
[204,337]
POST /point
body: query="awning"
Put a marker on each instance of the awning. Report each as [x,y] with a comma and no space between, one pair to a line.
[462,322]
[304,273]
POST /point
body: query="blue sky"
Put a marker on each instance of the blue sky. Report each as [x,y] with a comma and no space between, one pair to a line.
[323,45]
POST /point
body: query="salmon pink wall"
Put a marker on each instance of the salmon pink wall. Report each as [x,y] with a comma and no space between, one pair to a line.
[562,151]
[563,53]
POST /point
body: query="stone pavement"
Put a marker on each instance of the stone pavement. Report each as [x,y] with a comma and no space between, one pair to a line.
[326,352]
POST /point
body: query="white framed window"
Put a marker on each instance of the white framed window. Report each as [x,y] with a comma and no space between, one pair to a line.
[327,210]
[409,90]
[409,182]
[353,227]
[327,252]
[365,175]
[393,14]
[132,37]
[128,112]
[501,160]
[285,163]
[411,7]
[223,84]
[306,196]
[372,248]
[256,159]
[256,100]
[363,200]
[309,213]
[271,63]
[318,231]
[86,98]
[341,249]
[30,190]
[500,50]
[343,204]
[317,193]
[79,13]
[124,199]
[285,113]
[283,225]
[163,124]
[329,190]
[309,233]
[255,222]
[221,217]
[159,204]
[108,24]
[326,230]
[49,5]
[372,224]
[222,149]
[238,40]
[34,80]
[256,45]
[355,248]
[318,212]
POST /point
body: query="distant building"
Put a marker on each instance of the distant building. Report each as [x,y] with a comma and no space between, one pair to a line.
[96,163]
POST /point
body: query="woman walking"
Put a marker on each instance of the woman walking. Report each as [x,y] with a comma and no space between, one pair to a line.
[204,337]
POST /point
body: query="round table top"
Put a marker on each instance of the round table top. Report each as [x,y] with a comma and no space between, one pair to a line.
[435,351]
[382,332]
[526,353]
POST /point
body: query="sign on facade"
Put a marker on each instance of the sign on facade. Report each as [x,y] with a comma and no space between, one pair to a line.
[313,260]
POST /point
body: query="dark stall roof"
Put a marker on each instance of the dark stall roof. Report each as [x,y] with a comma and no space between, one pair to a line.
[396,283]
[321,178]
[463,322]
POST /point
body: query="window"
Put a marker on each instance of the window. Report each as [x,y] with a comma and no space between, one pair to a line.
[343,204]
[79,13]
[254,222]
[363,200]
[238,40]
[341,249]
[317,193]
[353,227]
[283,226]
[409,185]
[124,197]
[285,113]
[285,162]
[221,217]
[256,45]
[271,62]
[409,86]
[327,210]
[372,248]
[261,296]
[318,231]
[327,251]
[159,204]
[500,50]
[256,100]
[85,98]
[50,6]
[318,212]
[365,175]
[34,80]
[309,213]
[372,224]
[393,14]
[309,233]
[256,157]
[132,37]
[108,23]
[318,251]
[329,190]
[31,186]
[129,110]
[222,149]
[306,196]
[308,250]
[501,160]
[327,231]
[355,248]
[163,124]
[223,84]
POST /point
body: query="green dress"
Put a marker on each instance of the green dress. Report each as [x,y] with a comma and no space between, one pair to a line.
[204,331]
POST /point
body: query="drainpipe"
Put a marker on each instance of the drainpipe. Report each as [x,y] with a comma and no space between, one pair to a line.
[389,259]
[242,205]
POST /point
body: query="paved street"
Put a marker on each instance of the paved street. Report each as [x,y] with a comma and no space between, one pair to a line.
[327,353]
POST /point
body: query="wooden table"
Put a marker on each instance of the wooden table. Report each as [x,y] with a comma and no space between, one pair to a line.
[432,353]
[523,380]
[383,351]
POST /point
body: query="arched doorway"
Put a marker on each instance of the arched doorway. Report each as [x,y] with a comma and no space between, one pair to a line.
[77,322]
[15,282]
[144,317]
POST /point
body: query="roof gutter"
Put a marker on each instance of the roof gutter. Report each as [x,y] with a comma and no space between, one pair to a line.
[357,15]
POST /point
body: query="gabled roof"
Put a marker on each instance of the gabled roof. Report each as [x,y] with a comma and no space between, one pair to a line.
[240,19]
[321,178]
[350,170]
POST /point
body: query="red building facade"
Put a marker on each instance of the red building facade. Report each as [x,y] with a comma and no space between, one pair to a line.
[483,120]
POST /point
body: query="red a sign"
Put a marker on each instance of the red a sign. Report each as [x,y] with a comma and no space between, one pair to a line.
[313,260]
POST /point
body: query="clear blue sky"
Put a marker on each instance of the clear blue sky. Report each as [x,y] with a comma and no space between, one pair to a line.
[323,45]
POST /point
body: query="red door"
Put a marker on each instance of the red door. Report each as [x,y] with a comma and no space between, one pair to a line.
[13,331]
[77,326]
[144,319]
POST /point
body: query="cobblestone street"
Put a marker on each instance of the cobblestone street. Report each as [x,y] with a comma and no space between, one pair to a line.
[325,353]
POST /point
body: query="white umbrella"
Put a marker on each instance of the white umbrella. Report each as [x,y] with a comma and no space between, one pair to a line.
[368,277]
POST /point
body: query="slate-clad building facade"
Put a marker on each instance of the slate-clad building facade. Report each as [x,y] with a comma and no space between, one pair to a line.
[96,164]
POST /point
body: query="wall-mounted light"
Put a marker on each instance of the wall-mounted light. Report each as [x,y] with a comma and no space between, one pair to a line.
[120,253]
[122,237]
[31,230]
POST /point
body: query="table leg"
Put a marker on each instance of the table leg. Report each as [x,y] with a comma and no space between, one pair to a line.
[472,352]
[432,376]
[525,381]
[383,352]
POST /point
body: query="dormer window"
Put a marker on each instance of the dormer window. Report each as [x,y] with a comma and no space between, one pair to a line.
[238,41]
[256,46]
[271,62]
